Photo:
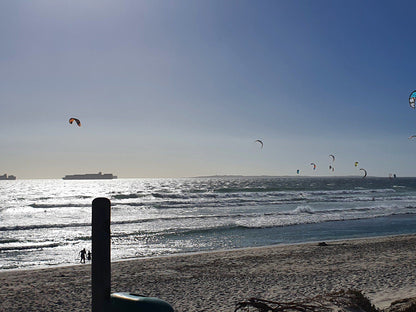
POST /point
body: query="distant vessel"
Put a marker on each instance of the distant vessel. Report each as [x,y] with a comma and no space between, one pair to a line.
[90,176]
[5,177]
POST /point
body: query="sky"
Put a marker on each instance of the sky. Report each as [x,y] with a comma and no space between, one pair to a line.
[184,88]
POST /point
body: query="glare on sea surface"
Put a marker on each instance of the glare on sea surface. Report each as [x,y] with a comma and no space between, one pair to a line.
[47,222]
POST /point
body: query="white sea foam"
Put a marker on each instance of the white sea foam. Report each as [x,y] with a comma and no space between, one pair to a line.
[304,209]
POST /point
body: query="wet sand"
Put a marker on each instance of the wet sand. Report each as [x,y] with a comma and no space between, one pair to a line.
[384,269]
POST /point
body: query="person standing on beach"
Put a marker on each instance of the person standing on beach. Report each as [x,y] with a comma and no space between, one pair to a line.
[89,255]
[82,253]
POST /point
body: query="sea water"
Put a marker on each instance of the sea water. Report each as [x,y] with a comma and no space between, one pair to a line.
[47,222]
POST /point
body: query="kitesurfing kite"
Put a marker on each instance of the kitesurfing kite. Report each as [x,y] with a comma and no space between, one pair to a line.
[260,141]
[356,164]
[412,136]
[297,171]
[331,167]
[365,172]
[314,166]
[412,99]
[71,120]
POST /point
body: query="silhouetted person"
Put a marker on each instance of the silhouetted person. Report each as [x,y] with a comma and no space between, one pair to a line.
[82,253]
[89,255]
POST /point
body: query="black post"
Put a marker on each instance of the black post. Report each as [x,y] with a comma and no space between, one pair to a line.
[101,262]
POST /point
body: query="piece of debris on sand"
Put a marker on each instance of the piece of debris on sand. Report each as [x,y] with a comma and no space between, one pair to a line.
[341,301]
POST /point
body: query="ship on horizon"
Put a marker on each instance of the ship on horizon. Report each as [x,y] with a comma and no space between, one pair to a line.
[6,177]
[90,176]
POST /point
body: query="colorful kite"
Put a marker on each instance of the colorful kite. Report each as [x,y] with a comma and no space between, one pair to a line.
[412,99]
[71,120]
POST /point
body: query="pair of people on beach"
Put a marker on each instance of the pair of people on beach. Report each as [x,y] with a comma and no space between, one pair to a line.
[84,253]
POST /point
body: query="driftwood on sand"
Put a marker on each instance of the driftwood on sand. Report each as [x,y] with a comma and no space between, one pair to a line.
[341,301]
[350,300]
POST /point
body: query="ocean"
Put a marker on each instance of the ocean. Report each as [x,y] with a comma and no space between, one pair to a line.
[46,223]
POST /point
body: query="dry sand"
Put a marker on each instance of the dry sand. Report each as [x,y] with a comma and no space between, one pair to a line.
[383,268]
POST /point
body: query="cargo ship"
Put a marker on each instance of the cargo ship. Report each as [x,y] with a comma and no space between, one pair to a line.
[90,176]
[6,177]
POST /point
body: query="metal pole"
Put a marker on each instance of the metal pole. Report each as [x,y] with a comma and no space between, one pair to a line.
[101,262]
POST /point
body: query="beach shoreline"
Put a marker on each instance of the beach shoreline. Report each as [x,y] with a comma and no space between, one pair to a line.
[190,253]
[382,268]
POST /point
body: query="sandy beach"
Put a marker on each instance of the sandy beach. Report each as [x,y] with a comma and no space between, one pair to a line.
[383,269]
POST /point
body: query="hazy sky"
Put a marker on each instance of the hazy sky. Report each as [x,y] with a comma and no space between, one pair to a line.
[184,88]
